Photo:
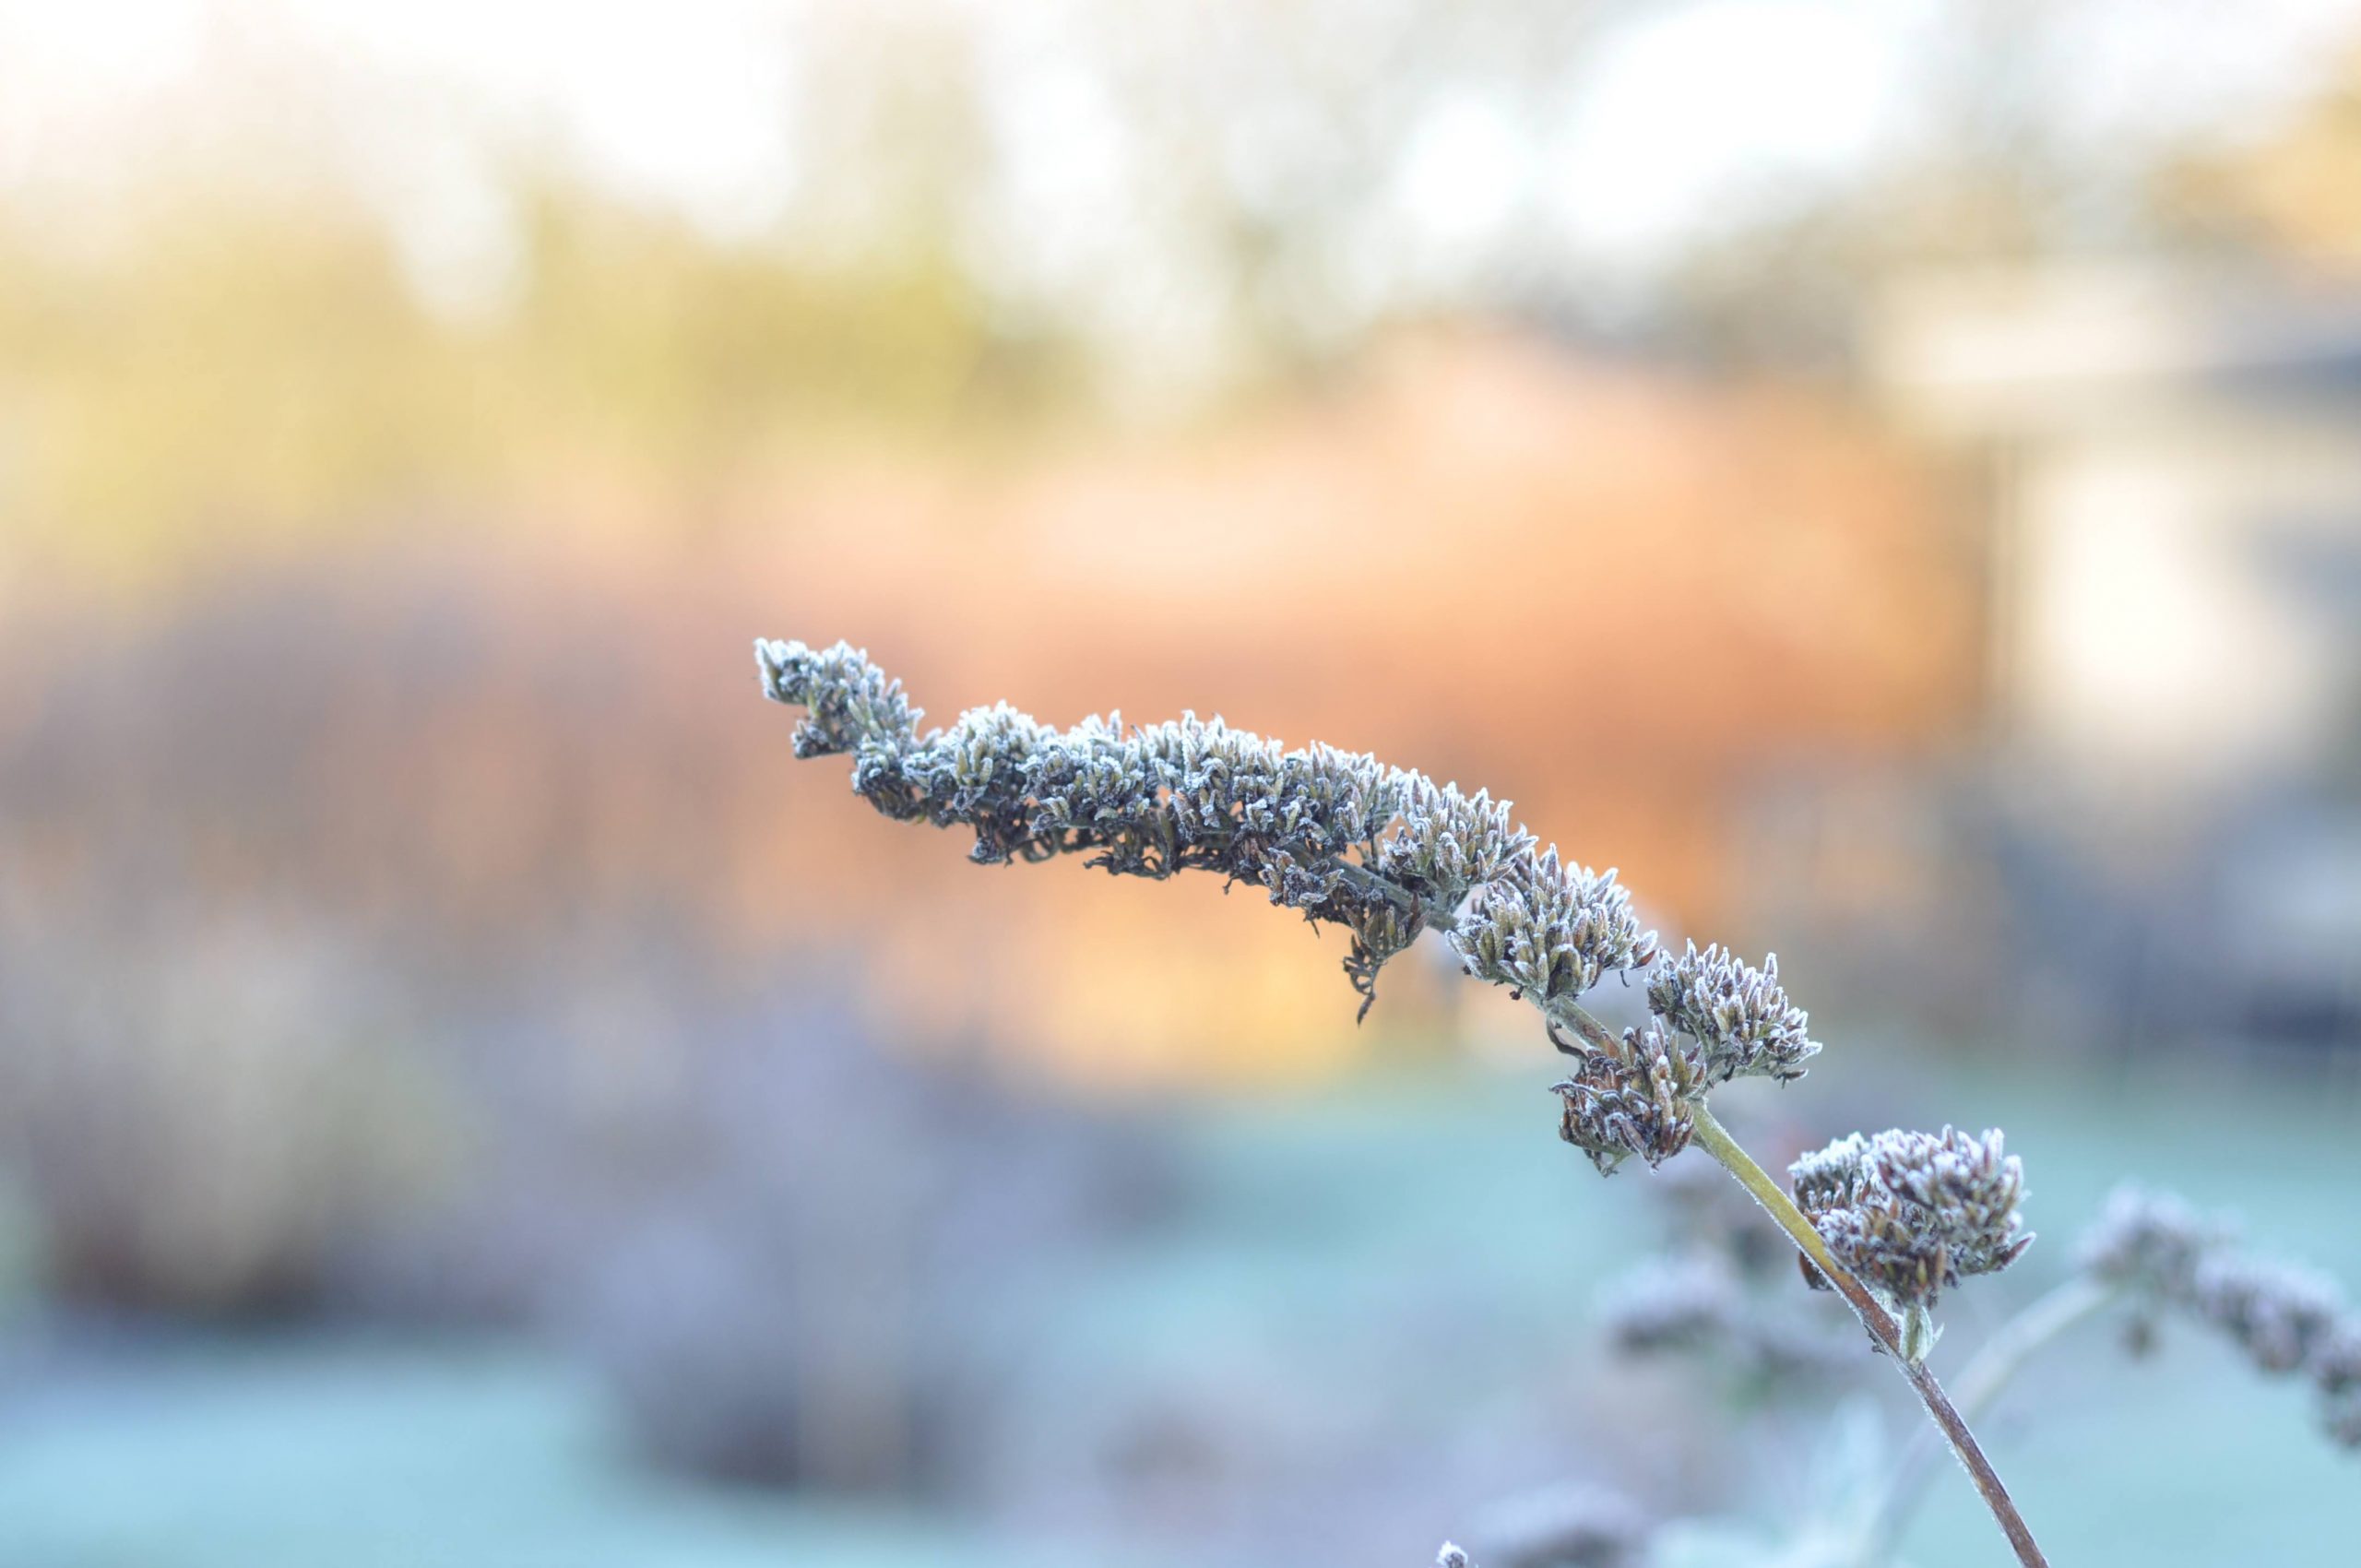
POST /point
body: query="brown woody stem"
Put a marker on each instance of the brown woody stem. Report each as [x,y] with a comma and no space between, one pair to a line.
[1716,1140]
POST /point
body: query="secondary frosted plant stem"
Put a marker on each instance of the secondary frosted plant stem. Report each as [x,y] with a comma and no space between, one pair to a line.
[1716,1140]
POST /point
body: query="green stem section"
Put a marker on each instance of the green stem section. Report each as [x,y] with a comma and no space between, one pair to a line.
[1716,1140]
[2014,1343]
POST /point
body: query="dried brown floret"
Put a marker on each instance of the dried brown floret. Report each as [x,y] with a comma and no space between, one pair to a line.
[1634,1100]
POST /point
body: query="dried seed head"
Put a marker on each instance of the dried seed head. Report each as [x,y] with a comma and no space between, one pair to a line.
[1637,1100]
[1736,1013]
[1911,1213]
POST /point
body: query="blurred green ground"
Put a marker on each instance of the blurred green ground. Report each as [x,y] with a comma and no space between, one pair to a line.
[1314,1230]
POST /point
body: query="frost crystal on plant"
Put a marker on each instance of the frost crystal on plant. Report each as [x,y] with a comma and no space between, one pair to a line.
[1911,1213]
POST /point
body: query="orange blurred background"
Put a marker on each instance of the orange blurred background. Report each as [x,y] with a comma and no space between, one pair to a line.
[1886,484]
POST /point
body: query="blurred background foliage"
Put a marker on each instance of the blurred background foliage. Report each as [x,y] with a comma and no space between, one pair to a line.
[1885,481]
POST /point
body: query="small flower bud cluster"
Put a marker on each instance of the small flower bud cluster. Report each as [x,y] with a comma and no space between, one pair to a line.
[1450,839]
[1713,1019]
[2285,1318]
[1911,1213]
[1383,852]
[1549,933]
[1737,1015]
[848,703]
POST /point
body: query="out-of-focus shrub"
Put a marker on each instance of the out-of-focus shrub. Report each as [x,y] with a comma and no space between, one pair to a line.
[550,894]
[201,1116]
[817,1277]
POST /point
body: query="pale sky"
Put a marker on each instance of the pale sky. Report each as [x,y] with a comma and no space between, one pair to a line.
[1683,114]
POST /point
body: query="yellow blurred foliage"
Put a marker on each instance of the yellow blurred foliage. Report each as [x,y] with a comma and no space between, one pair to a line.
[2292,187]
[196,364]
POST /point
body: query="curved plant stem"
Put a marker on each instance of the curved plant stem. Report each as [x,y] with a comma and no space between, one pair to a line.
[1714,1140]
[2012,1345]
